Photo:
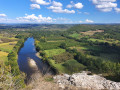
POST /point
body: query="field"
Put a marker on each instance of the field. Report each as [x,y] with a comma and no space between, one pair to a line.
[90,33]
[59,67]
[64,62]
[55,43]
[76,35]
[52,52]
[107,40]
[6,45]
[58,57]
[3,56]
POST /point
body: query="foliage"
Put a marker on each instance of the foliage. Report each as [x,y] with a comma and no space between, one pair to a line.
[73,66]
[63,57]
[12,61]
[63,45]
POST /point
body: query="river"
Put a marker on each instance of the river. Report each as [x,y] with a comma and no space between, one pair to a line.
[29,63]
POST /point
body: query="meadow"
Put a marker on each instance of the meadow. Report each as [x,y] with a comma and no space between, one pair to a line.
[6,45]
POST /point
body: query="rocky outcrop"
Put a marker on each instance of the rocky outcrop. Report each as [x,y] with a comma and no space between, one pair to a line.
[83,80]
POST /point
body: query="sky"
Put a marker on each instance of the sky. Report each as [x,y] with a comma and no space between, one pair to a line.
[60,11]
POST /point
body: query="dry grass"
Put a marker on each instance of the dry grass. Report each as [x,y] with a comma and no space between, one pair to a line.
[7,47]
[90,33]
[3,53]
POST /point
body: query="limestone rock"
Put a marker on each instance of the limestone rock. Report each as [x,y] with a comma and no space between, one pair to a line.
[83,80]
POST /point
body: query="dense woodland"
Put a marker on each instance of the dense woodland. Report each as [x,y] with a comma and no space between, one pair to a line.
[66,48]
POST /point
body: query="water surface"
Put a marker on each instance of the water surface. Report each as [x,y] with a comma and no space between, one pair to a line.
[28,52]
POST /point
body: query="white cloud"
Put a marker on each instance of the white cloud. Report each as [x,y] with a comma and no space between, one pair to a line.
[57,4]
[35,19]
[69,6]
[80,21]
[105,5]
[3,15]
[35,6]
[86,13]
[62,19]
[77,5]
[117,10]
[100,1]
[57,8]
[106,9]
[42,2]
[64,11]
[89,21]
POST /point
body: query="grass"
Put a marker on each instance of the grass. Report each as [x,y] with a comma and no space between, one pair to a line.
[57,41]
[3,53]
[50,45]
[90,33]
[60,68]
[86,47]
[108,40]
[55,44]
[7,47]
[69,66]
[55,38]
[3,56]
[99,40]
[54,52]
[79,48]
[75,35]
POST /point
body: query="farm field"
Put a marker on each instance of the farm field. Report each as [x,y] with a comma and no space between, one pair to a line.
[53,52]
[6,45]
[58,57]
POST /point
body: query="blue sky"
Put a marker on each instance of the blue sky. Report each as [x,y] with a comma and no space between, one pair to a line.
[60,11]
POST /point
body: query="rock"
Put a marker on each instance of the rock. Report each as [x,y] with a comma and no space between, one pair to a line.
[83,80]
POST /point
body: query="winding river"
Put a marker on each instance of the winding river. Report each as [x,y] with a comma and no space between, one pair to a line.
[29,63]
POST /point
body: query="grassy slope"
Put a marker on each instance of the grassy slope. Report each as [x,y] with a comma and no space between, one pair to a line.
[53,52]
